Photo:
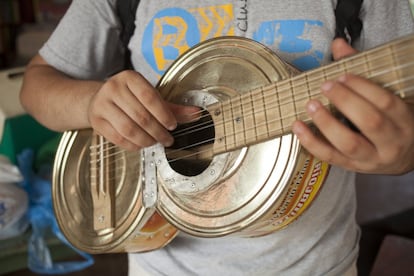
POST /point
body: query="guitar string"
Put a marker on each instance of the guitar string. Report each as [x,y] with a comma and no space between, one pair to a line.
[136,164]
[116,171]
[411,89]
[296,99]
[273,87]
[235,145]
[120,155]
[317,71]
[290,115]
[357,65]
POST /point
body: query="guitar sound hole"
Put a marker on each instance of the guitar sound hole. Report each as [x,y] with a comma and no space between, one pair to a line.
[190,154]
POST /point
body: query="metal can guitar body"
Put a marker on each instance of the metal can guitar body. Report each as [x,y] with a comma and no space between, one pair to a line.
[251,191]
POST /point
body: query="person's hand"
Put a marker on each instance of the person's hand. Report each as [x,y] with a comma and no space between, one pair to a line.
[129,112]
[385,141]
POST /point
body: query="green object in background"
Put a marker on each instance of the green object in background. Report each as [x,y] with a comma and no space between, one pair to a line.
[21,132]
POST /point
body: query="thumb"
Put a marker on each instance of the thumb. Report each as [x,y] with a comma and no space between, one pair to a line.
[340,49]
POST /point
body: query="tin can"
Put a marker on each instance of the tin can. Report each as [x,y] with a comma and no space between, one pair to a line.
[97,197]
[250,191]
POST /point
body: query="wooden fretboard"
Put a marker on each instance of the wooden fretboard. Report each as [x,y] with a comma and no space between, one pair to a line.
[268,112]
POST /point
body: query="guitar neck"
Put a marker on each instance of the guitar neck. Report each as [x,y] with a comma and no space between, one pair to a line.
[268,112]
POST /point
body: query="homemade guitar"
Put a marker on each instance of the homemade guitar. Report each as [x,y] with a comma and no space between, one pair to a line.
[236,171]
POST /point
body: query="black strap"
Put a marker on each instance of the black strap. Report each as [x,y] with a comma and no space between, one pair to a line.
[126,12]
[348,23]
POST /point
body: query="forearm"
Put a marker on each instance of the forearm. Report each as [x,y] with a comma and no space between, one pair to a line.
[54,99]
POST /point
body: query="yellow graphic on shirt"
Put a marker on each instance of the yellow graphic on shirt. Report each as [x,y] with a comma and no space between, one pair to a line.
[162,40]
[215,21]
[172,31]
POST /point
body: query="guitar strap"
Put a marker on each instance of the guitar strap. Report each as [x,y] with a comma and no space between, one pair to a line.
[348,23]
[126,10]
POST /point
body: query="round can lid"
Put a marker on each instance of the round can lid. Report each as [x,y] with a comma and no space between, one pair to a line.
[96,192]
[250,179]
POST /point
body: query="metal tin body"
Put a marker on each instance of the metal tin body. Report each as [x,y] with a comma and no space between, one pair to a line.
[98,219]
[253,191]
[245,188]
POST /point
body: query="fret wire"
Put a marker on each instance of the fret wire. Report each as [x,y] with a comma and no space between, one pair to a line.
[280,111]
[396,72]
[293,99]
[239,122]
[253,112]
[223,138]
[283,128]
[306,91]
[308,88]
[277,94]
[317,71]
[308,75]
[231,121]
[356,66]
[265,110]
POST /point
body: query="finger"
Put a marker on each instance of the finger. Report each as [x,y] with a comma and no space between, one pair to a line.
[106,130]
[343,139]
[125,127]
[317,146]
[362,113]
[153,102]
[141,121]
[185,114]
[321,149]
[340,49]
[381,98]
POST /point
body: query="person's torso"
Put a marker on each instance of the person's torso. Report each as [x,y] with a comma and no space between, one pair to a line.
[299,32]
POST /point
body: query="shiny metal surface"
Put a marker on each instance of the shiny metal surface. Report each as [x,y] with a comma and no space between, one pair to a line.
[239,187]
[98,188]
[77,199]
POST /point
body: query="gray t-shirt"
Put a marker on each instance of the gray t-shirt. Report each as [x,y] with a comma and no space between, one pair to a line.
[324,240]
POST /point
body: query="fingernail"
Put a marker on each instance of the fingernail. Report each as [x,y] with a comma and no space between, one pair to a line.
[172,127]
[326,86]
[342,78]
[313,106]
[168,142]
[297,129]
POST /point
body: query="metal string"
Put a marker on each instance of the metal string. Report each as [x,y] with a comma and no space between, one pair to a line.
[271,88]
[303,92]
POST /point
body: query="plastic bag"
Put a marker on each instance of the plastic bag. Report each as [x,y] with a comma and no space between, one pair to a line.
[9,173]
[43,221]
[13,201]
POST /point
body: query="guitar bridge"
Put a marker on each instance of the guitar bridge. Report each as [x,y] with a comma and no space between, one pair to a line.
[102,184]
